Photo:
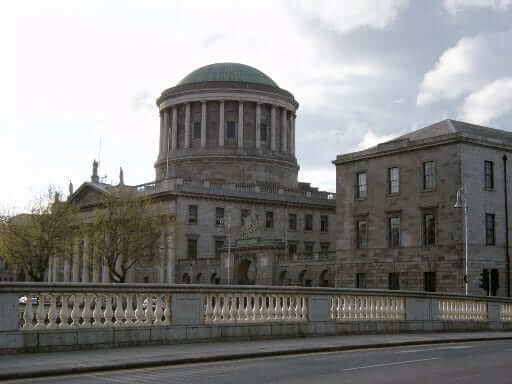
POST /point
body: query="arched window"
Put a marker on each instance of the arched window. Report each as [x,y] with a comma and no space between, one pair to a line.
[198,277]
[214,279]
[283,278]
[186,278]
[323,281]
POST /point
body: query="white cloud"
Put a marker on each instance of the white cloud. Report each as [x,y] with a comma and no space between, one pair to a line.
[321,178]
[454,73]
[454,6]
[371,139]
[488,103]
[345,16]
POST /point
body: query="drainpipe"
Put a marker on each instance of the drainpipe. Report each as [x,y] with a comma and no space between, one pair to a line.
[507,256]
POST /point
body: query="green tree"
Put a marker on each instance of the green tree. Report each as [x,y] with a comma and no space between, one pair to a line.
[28,240]
[125,230]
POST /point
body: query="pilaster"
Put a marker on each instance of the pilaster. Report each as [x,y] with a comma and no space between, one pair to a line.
[240,124]
[203,124]
[174,127]
[258,125]
[273,128]
[221,123]
[187,125]
[284,131]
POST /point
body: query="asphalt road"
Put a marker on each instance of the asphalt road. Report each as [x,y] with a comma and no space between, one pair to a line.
[487,362]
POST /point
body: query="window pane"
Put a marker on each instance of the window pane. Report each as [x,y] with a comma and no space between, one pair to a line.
[292,222]
[309,223]
[263,132]
[230,129]
[361,185]
[429,229]
[324,223]
[428,175]
[192,214]
[394,232]
[360,280]
[394,280]
[269,220]
[394,180]
[489,229]
[489,174]
[197,130]
[219,216]
[362,234]
[430,281]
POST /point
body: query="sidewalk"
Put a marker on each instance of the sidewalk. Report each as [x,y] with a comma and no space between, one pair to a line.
[56,363]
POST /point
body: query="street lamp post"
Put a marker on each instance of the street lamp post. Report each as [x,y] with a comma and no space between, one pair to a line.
[462,203]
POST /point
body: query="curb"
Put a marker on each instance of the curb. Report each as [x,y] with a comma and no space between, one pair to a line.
[234,356]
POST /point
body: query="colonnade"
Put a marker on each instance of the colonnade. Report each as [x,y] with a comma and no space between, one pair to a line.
[84,265]
[169,126]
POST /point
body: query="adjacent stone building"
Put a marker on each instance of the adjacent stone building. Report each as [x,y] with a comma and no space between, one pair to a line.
[226,168]
[397,226]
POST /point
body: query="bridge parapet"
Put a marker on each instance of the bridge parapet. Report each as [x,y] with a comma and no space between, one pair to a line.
[49,316]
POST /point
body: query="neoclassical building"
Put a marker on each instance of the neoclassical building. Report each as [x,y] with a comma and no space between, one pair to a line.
[226,168]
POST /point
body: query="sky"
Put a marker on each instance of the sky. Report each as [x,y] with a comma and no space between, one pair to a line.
[79,79]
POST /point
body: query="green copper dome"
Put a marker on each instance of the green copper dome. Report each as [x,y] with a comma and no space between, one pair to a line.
[228,72]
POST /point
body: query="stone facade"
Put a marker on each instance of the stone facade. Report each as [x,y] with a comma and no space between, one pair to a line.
[227,145]
[453,153]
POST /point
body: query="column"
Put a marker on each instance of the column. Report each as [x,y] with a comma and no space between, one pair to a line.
[161,134]
[187,125]
[165,137]
[96,266]
[55,263]
[221,123]
[85,263]
[50,268]
[174,128]
[240,124]
[284,131]
[76,262]
[258,125]
[171,258]
[273,128]
[292,134]
[203,124]
[66,270]
[105,274]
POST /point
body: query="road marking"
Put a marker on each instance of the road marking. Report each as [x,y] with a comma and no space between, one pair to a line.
[435,349]
[388,364]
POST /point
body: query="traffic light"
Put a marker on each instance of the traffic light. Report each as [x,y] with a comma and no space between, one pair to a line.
[495,282]
[484,280]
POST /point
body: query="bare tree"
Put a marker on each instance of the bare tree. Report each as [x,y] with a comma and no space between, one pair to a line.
[27,241]
[125,231]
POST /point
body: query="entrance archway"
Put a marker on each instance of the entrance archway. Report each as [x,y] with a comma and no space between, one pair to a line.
[243,272]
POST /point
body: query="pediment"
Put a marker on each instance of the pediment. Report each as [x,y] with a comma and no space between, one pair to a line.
[87,195]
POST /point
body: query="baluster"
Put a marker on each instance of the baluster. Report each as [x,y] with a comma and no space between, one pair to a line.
[224,310]
[271,308]
[208,312]
[232,307]
[87,313]
[264,308]
[109,311]
[167,310]
[159,312]
[342,307]
[256,307]
[304,312]
[150,312]
[279,307]
[247,309]
[28,314]
[41,313]
[293,308]
[118,313]
[139,311]
[97,313]
[76,312]
[216,309]
[64,312]
[53,314]
[331,309]
[129,313]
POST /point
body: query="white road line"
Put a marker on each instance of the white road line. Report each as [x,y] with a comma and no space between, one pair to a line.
[435,349]
[388,364]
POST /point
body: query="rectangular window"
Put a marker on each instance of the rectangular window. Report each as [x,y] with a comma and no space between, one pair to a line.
[308,222]
[428,175]
[263,132]
[308,248]
[394,280]
[489,174]
[362,190]
[324,249]
[292,249]
[362,234]
[394,180]
[192,214]
[394,232]
[192,249]
[219,216]
[269,220]
[218,245]
[230,129]
[490,238]
[360,280]
[196,132]
[324,223]
[429,279]
[429,229]
[292,222]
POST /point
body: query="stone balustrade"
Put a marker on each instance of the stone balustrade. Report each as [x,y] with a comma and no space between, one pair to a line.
[251,307]
[45,316]
[453,309]
[506,312]
[82,310]
[364,308]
